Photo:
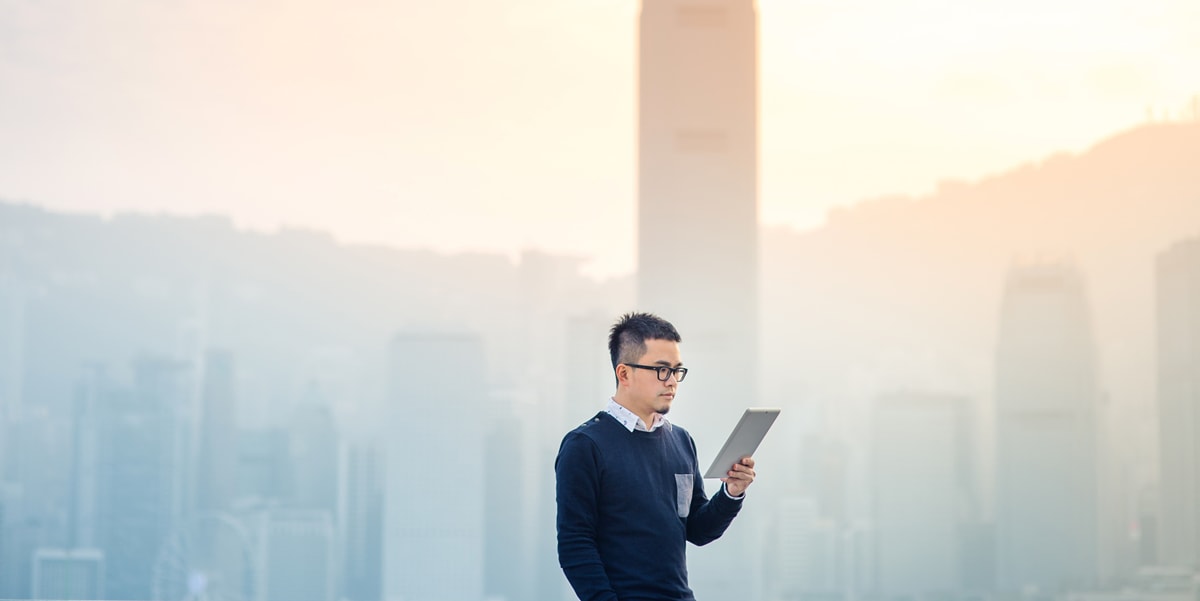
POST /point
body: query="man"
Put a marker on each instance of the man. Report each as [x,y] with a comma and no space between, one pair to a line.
[629,488]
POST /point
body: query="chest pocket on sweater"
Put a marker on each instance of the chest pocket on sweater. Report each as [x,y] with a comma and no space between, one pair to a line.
[683,494]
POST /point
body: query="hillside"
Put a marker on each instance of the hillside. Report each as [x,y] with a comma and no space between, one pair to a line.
[905,292]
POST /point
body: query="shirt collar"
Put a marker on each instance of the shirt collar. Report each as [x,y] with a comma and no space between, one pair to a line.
[631,421]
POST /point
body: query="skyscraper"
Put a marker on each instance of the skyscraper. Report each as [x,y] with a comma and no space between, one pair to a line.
[142,489]
[12,346]
[803,551]
[1178,316]
[296,555]
[920,488]
[1046,429]
[507,534]
[85,433]
[313,451]
[698,230]
[361,510]
[217,457]
[68,574]
[698,186]
[434,506]
[263,465]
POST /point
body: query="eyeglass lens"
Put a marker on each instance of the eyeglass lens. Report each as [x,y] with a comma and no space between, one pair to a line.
[665,372]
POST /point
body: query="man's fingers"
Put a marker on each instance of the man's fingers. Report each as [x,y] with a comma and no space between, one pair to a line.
[740,476]
[742,468]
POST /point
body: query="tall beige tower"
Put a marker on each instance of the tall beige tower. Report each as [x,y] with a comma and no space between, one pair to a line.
[1178,317]
[698,234]
[698,190]
[1047,448]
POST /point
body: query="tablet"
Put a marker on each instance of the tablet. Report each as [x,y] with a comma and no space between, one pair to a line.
[744,439]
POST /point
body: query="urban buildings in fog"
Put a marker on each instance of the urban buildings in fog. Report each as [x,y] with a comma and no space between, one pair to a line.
[17,538]
[131,470]
[1046,427]
[264,472]
[802,551]
[313,454]
[296,551]
[68,574]
[211,555]
[508,542]
[12,347]
[217,450]
[362,520]
[433,538]
[811,550]
[1178,323]
[143,474]
[920,456]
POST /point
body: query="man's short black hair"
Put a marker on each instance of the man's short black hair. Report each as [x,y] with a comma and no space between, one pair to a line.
[627,338]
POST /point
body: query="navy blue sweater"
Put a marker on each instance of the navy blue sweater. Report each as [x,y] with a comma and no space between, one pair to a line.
[627,502]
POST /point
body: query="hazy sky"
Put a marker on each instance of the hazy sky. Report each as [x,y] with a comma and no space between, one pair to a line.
[500,125]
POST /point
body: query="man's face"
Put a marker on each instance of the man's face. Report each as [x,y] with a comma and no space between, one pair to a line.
[646,391]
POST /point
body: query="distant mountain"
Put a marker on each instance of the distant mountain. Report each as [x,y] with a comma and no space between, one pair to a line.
[904,292]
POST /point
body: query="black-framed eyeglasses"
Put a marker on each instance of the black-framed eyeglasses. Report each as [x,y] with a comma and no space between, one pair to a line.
[664,372]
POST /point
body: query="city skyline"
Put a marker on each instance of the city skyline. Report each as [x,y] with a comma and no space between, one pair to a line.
[987,384]
[296,335]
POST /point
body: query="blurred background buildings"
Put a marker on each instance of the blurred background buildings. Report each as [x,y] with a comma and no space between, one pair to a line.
[989,391]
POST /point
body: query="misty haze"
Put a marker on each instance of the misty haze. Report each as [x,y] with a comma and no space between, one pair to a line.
[990,391]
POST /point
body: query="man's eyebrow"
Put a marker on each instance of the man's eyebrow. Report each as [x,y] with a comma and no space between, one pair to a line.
[666,363]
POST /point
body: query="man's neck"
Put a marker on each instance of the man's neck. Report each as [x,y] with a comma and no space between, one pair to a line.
[646,417]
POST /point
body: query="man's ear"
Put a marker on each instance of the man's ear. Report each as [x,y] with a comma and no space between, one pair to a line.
[622,374]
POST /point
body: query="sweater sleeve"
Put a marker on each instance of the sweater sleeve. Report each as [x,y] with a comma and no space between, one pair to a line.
[577,492]
[708,518]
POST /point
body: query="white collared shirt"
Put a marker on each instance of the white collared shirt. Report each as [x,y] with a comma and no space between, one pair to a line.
[630,419]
